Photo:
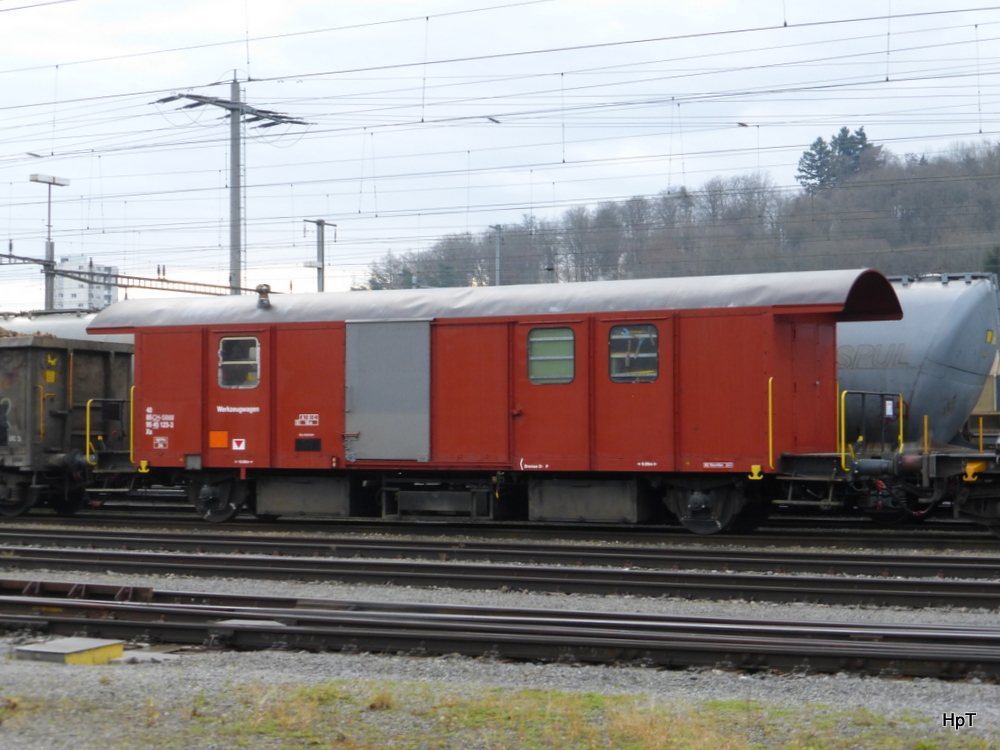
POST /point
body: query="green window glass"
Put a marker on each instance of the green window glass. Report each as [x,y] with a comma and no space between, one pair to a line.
[551,355]
[239,362]
[634,354]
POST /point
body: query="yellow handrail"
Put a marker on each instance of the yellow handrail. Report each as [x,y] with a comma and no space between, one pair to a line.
[89,449]
[842,442]
[836,399]
[42,395]
[143,467]
[770,422]
[131,425]
[901,410]
[69,398]
[842,446]
[41,413]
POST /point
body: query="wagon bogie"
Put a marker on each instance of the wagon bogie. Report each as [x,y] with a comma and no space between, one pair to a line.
[17,496]
[218,497]
[712,504]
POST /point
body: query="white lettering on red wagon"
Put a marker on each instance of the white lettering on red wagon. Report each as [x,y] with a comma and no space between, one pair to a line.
[158,421]
[524,465]
[307,420]
[717,465]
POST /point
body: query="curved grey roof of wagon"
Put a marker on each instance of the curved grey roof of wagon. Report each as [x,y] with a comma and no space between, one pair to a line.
[852,295]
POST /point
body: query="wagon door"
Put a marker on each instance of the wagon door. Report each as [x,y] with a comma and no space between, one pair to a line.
[238,387]
[387,398]
[309,397]
[634,395]
[722,391]
[804,401]
[551,410]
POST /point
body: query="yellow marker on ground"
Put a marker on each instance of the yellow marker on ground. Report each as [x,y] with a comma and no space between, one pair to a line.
[73,651]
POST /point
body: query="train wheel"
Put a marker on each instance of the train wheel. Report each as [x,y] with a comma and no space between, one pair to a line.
[705,511]
[17,501]
[218,502]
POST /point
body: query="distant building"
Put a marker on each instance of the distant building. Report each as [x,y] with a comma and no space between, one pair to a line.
[73,294]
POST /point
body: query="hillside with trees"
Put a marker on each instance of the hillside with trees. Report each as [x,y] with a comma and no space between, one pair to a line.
[859,205]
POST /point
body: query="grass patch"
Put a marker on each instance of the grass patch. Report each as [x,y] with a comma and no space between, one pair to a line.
[397,716]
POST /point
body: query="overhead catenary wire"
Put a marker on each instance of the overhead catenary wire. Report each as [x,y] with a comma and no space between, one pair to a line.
[623,114]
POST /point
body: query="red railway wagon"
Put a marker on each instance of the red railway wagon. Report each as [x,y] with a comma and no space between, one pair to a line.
[594,401]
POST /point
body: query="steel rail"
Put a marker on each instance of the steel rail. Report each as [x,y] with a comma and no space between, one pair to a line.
[602,581]
[945,537]
[527,634]
[32,591]
[674,558]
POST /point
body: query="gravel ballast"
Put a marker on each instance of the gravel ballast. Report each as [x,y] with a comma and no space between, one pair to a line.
[135,690]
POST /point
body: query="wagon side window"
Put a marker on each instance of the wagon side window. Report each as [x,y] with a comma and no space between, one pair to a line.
[633,354]
[239,362]
[551,355]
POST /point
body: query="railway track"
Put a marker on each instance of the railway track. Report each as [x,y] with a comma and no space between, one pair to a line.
[674,558]
[939,536]
[570,577]
[543,635]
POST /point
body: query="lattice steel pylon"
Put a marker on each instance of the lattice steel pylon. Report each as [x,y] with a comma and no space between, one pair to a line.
[237,110]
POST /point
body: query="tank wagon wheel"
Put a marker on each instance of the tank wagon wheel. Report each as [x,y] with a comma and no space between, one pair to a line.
[18,501]
[220,501]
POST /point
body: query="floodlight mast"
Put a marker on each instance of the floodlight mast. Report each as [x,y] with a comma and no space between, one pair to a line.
[48,267]
[236,109]
[499,231]
[320,264]
[235,216]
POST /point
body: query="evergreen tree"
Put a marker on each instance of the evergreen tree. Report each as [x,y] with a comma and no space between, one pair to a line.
[827,165]
[814,166]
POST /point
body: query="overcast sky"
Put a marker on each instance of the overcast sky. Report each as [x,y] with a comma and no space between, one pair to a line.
[429,117]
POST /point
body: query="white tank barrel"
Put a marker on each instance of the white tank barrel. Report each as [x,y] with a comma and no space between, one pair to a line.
[937,357]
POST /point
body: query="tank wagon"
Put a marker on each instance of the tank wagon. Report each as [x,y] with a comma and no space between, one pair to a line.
[602,401]
[64,400]
[938,356]
[936,359]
